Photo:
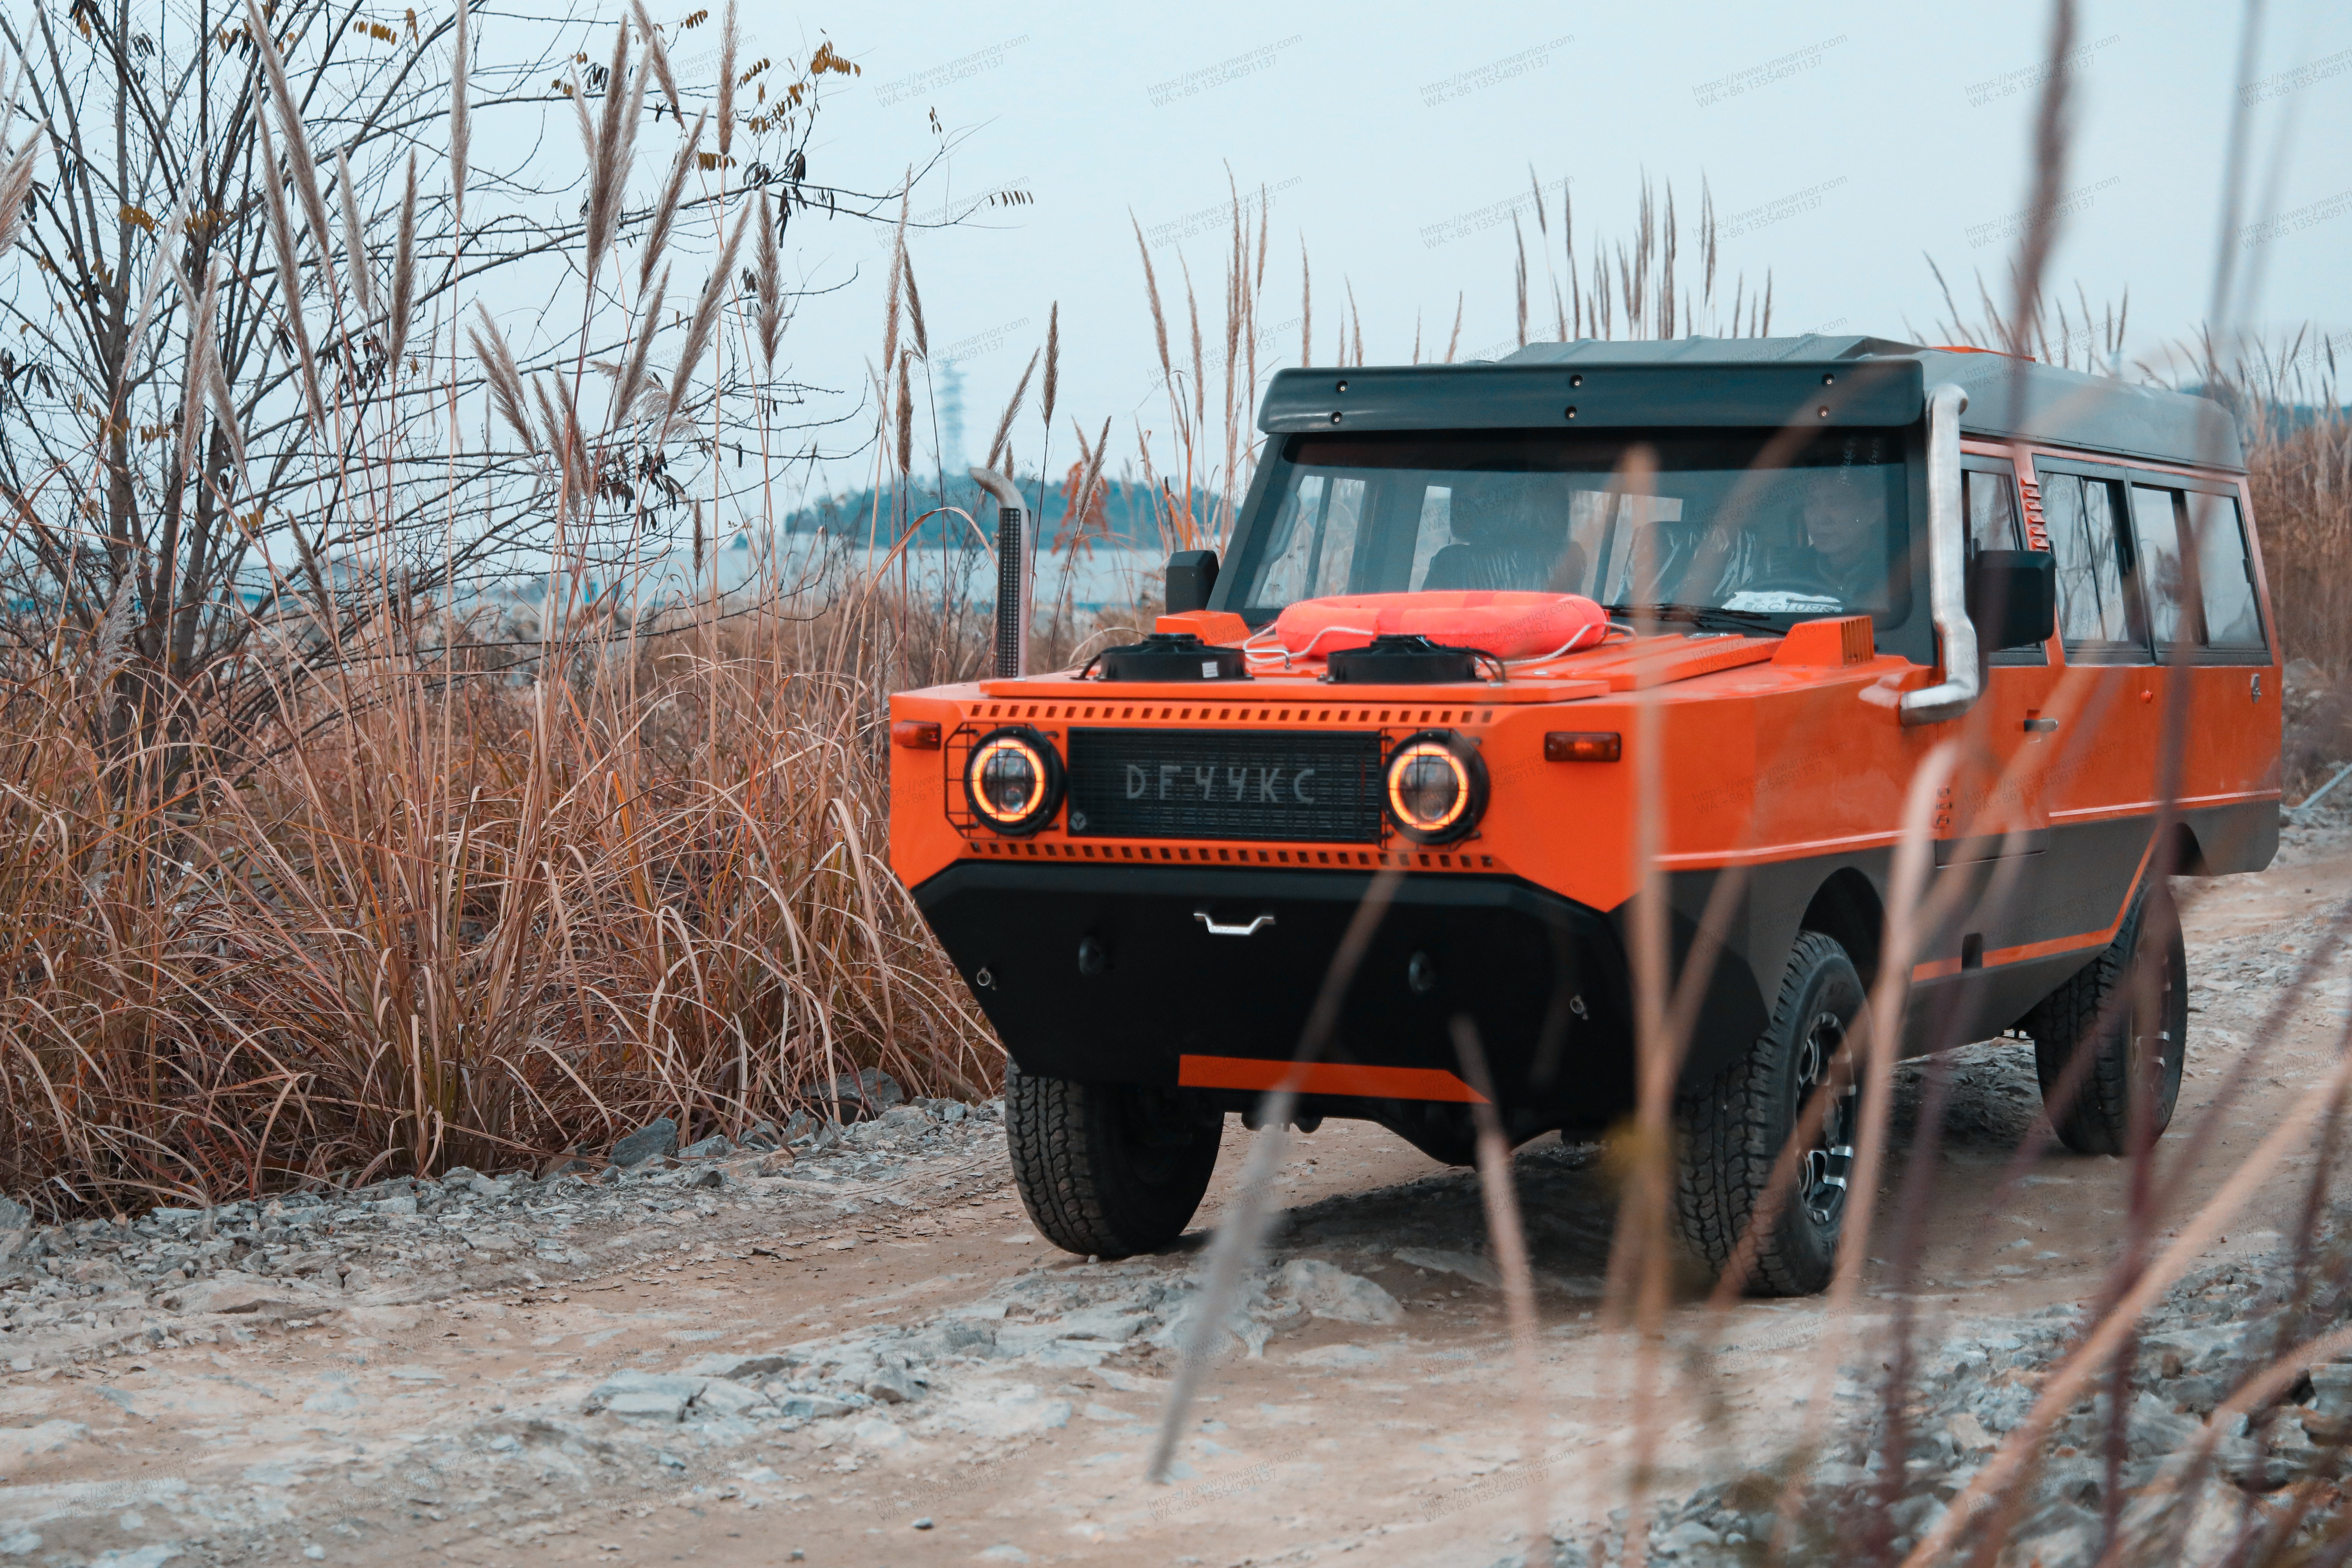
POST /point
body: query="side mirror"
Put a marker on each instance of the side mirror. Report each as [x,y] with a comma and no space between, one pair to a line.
[2014,597]
[1192,574]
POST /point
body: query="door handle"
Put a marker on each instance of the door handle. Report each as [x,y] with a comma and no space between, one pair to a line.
[2042,726]
[1252,929]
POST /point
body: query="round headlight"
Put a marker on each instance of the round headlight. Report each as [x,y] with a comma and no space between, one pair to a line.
[1013,781]
[1436,787]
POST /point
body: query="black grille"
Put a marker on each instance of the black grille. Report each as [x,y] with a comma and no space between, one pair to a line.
[1225,783]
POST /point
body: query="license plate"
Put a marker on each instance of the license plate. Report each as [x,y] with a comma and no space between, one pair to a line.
[1225,783]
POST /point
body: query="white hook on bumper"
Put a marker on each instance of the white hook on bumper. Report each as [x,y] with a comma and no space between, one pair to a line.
[1948,566]
[1252,929]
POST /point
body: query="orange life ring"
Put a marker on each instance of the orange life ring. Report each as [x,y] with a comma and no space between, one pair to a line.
[1507,625]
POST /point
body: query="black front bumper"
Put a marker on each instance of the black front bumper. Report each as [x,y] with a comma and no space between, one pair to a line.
[1542,978]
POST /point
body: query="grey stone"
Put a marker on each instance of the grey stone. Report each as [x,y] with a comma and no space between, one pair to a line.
[799,1125]
[2062,1536]
[762,1136]
[1685,1536]
[862,1096]
[646,1405]
[646,1395]
[1914,1515]
[952,1338]
[890,1385]
[2331,1390]
[714,1147]
[737,1367]
[814,1406]
[1328,1291]
[2154,1428]
[650,1141]
[720,1397]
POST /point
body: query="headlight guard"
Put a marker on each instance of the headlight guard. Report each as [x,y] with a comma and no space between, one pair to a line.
[1012,780]
[1434,787]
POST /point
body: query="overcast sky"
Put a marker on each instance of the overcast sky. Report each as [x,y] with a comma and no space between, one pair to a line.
[1844,144]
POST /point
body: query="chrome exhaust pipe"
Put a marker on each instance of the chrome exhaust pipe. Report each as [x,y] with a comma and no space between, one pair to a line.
[1016,561]
[1947,569]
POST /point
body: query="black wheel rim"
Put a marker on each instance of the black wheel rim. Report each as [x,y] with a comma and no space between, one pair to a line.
[1160,1132]
[1829,1155]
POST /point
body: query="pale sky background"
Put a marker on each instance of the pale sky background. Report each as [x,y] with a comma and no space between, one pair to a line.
[1377,126]
[1842,142]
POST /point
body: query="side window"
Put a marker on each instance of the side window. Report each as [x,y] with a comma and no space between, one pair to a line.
[2082,514]
[2225,572]
[2157,564]
[1991,501]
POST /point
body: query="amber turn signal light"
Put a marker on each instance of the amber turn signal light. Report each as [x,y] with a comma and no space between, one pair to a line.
[916,734]
[1583,746]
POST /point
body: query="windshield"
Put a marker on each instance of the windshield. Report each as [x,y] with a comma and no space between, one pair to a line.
[1822,531]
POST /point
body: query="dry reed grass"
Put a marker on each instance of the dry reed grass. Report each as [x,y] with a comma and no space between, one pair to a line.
[465,893]
[463,918]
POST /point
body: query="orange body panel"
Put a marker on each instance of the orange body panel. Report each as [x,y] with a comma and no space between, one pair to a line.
[1761,760]
[1766,749]
[1327,1078]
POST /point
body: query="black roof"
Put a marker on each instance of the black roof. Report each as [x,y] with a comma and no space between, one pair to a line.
[1813,379]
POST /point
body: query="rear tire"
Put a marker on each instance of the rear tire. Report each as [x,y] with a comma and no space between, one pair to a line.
[1733,1131]
[1106,1171]
[2152,1049]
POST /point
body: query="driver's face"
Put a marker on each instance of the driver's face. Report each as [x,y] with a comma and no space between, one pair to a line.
[1838,527]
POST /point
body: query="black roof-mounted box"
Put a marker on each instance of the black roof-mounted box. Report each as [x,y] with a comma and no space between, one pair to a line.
[1696,383]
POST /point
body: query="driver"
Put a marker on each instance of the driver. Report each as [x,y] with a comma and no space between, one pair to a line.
[1844,556]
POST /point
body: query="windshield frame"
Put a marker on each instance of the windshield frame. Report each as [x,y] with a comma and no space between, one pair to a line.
[1913,636]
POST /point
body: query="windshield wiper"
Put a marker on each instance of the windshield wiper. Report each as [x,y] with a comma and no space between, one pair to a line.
[1707,615]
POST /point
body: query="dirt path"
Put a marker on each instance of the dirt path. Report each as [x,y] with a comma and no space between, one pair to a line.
[901,1372]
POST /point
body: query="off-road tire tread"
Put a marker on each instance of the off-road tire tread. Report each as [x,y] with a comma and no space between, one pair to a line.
[1729,1142]
[2098,1121]
[1061,1137]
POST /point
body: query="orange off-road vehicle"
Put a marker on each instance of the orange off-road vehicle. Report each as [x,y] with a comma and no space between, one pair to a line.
[1450,591]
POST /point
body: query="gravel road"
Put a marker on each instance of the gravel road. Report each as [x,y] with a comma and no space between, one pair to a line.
[860,1354]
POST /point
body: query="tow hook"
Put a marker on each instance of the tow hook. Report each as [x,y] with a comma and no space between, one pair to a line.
[1252,929]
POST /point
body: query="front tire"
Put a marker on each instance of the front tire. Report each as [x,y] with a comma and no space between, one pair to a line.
[1733,1131]
[1106,1171]
[2145,1039]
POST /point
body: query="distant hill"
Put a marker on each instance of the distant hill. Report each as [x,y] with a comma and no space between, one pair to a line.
[1124,515]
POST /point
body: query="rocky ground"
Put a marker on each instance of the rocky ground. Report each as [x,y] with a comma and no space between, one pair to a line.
[852,1349]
